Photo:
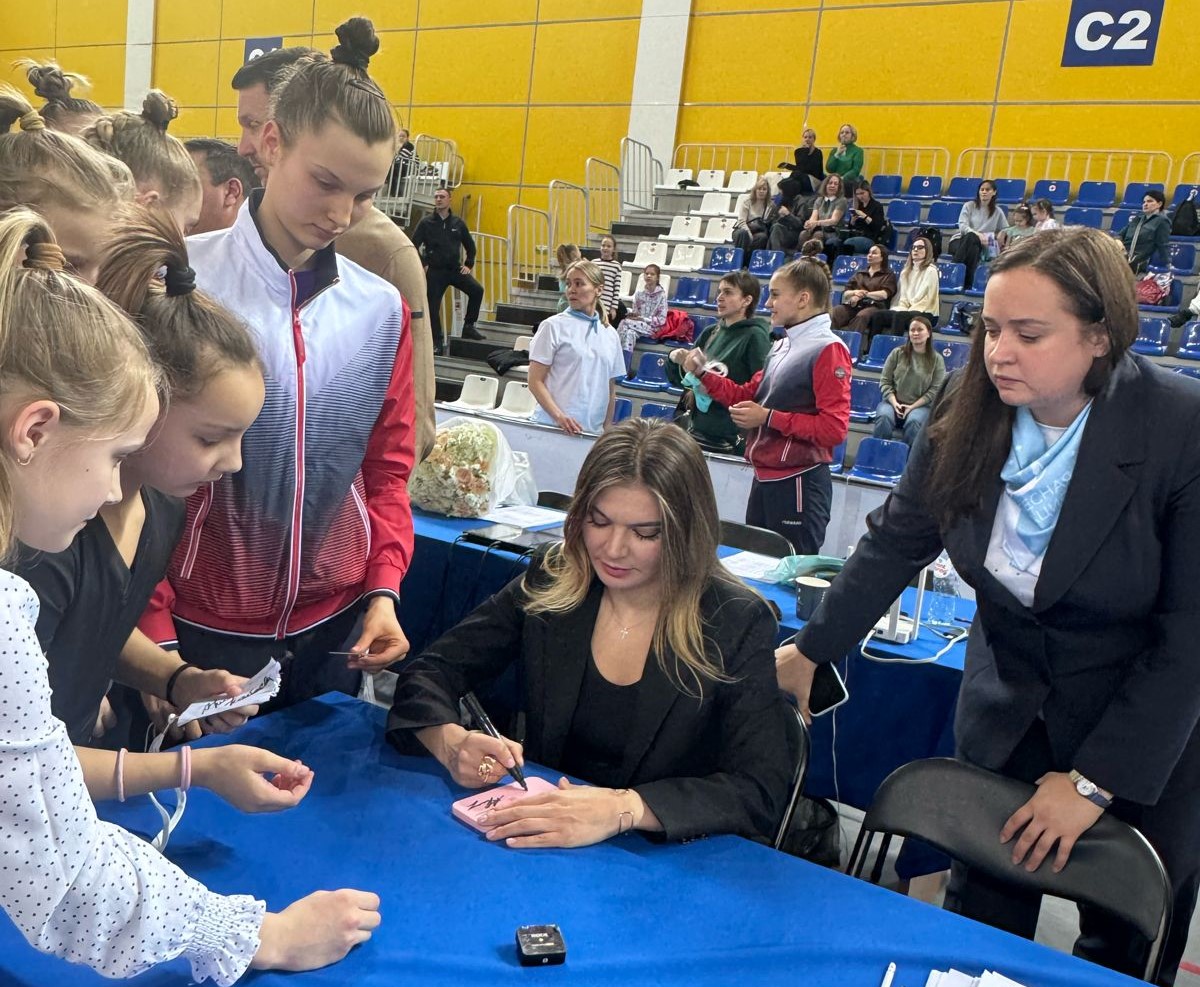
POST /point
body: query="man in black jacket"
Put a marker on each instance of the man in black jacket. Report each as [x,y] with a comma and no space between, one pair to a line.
[440,237]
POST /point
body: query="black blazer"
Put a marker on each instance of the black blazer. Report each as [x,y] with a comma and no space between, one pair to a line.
[720,764]
[1109,652]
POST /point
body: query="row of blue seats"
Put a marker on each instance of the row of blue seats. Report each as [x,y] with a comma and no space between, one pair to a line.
[1154,338]
[1010,191]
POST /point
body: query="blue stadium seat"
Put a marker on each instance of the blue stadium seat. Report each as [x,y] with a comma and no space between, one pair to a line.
[764,263]
[651,373]
[1182,192]
[1189,344]
[1009,191]
[865,396]
[896,264]
[961,188]
[944,215]
[1193,372]
[722,260]
[622,409]
[955,354]
[1135,192]
[1171,305]
[1154,332]
[951,277]
[885,186]
[847,265]
[853,341]
[881,346]
[879,461]
[1081,216]
[904,212]
[702,322]
[651,410]
[1057,190]
[1122,217]
[980,283]
[1097,195]
[924,187]
[839,458]
[690,291]
[1183,259]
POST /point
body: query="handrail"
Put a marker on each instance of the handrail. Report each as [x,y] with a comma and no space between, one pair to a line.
[882,160]
[439,158]
[1072,164]
[528,245]
[603,181]
[640,172]
[1189,171]
[568,208]
[491,270]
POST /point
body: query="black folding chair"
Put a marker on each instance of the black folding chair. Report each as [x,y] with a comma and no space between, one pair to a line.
[751,539]
[959,809]
[803,746]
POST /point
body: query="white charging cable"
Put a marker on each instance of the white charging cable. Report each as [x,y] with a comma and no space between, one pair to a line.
[951,641]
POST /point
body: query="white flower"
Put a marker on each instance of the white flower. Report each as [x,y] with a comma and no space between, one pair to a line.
[455,478]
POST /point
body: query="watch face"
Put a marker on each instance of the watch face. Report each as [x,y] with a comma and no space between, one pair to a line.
[1085,787]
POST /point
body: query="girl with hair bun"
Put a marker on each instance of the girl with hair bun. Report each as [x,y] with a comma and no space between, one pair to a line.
[79,396]
[74,187]
[318,522]
[62,111]
[163,169]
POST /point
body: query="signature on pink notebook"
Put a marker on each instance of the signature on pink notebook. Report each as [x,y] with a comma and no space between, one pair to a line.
[469,810]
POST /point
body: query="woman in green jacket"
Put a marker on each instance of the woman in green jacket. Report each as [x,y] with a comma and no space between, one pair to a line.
[911,377]
[847,158]
[740,342]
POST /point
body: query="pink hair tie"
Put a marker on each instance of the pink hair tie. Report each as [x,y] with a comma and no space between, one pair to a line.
[185,773]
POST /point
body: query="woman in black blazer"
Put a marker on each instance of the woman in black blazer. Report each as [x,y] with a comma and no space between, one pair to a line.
[1081,673]
[644,668]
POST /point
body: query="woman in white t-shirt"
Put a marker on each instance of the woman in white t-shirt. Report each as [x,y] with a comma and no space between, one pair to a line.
[575,358]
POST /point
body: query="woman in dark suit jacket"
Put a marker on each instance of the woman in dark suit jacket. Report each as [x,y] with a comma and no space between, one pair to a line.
[1062,475]
[644,668]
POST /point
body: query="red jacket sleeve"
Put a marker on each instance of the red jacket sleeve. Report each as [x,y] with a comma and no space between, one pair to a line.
[831,387]
[726,392]
[385,470]
[156,621]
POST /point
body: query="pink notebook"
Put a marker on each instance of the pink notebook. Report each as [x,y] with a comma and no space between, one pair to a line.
[469,810]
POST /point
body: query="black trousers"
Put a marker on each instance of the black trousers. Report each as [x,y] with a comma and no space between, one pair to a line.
[1173,829]
[966,249]
[437,280]
[308,667]
[797,508]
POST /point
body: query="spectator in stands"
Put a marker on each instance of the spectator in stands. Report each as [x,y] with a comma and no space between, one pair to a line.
[846,159]
[1022,226]
[1043,214]
[645,668]
[61,111]
[610,270]
[1059,473]
[1188,312]
[226,178]
[807,172]
[797,408]
[739,342]
[164,172]
[978,223]
[919,293]
[756,212]
[1147,236]
[448,249]
[575,358]
[867,291]
[866,221]
[790,232]
[566,254]
[912,375]
[649,313]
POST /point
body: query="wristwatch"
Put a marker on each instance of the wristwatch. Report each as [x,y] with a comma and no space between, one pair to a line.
[1090,790]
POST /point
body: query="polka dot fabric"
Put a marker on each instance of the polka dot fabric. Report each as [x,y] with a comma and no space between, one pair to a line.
[77,887]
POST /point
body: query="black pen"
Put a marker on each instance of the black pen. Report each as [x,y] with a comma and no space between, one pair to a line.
[487,726]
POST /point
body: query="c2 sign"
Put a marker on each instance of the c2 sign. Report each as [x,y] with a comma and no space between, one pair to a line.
[1112,32]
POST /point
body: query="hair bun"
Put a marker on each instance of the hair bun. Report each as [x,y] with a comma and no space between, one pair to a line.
[159,109]
[357,43]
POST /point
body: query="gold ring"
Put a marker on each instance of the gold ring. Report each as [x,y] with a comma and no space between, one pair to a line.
[485,766]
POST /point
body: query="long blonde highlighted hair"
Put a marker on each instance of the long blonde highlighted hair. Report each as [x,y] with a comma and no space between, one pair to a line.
[666,461]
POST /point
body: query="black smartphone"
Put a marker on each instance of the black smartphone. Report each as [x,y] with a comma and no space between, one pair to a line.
[828,690]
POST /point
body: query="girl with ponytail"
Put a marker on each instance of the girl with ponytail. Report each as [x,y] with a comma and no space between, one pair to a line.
[62,111]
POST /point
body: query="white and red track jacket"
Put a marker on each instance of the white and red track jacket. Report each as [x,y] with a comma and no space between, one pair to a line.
[319,514]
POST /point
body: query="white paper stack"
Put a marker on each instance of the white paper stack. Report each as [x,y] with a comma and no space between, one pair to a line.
[956,978]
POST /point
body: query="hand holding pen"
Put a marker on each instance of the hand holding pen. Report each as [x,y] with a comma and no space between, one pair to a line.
[487,763]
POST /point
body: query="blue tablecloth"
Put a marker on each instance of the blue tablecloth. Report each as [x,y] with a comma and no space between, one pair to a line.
[718,911]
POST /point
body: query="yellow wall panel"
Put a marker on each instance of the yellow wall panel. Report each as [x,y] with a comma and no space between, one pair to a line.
[583,10]
[488,137]
[392,66]
[105,66]
[28,24]
[198,122]
[387,15]
[715,67]
[557,49]
[194,20]
[187,71]
[535,196]
[226,125]
[266,18]
[735,7]
[763,124]
[463,13]
[229,60]
[91,22]
[473,65]
[560,139]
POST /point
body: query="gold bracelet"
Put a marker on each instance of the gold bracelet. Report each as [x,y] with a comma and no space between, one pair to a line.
[620,818]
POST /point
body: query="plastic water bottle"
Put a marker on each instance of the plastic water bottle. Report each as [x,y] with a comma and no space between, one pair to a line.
[942,603]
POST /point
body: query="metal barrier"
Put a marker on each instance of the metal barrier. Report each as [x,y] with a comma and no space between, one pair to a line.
[568,214]
[491,271]
[760,158]
[528,245]
[1189,171]
[603,181]
[414,177]
[440,160]
[1072,164]
[640,172]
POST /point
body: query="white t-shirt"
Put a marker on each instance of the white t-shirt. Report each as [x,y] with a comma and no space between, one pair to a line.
[1006,548]
[582,362]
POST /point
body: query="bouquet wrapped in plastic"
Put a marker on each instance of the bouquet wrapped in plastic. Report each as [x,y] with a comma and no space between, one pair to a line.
[471,470]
